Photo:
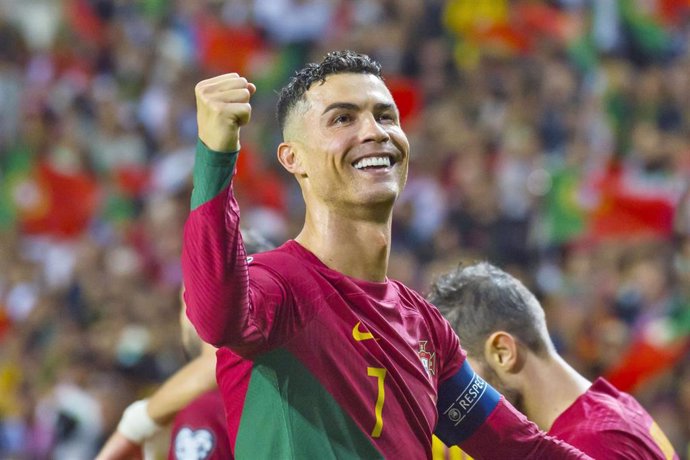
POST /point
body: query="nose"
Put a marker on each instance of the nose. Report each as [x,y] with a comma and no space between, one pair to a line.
[372,130]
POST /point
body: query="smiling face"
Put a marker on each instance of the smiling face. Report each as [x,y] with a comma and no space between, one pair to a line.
[344,143]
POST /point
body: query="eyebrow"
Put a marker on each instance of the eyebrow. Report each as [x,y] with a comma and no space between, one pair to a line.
[380,107]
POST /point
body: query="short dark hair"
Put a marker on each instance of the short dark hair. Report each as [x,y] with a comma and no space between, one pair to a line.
[334,62]
[480,299]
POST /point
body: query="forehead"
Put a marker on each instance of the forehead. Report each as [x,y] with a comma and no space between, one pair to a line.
[355,88]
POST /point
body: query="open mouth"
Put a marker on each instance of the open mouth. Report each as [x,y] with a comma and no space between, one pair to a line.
[379,162]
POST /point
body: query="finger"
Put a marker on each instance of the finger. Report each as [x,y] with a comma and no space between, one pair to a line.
[222,77]
[222,85]
[251,87]
[240,112]
[228,96]
[237,108]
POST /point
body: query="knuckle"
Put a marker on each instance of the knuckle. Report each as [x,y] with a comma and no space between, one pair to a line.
[202,90]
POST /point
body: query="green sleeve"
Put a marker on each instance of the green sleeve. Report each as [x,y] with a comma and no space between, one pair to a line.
[212,173]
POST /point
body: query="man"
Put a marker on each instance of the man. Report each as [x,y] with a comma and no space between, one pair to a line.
[189,398]
[343,362]
[199,431]
[503,329]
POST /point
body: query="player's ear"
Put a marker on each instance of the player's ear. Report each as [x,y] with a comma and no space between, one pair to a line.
[501,352]
[290,158]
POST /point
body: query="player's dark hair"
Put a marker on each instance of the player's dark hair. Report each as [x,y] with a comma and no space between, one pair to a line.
[334,62]
[480,299]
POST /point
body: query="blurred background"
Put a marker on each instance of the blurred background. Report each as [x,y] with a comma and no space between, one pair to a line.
[549,137]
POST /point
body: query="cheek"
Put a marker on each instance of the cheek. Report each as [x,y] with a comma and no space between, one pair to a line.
[399,139]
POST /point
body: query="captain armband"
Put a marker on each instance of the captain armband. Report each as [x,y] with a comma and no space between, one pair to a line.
[465,401]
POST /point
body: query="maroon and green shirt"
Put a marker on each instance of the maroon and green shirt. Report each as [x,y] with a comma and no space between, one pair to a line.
[316,364]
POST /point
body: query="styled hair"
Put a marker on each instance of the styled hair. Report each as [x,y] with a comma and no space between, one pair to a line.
[480,299]
[333,63]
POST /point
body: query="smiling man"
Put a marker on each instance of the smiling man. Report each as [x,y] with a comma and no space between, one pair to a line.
[343,362]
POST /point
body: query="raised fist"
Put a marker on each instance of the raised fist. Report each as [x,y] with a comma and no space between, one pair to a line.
[222,105]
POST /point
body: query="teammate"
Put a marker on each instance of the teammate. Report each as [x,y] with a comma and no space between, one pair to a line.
[503,329]
[199,431]
[190,399]
[344,362]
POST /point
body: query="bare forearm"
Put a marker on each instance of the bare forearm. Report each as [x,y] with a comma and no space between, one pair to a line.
[195,378]
[119,447]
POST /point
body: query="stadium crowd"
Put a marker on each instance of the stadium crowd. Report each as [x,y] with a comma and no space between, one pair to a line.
[550,138]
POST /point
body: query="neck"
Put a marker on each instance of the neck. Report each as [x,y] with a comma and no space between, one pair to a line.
[354,246]
[554,377]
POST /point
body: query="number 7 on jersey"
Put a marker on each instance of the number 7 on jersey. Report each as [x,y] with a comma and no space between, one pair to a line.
[380,374]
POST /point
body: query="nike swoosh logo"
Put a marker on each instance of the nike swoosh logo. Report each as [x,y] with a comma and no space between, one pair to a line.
[359,335]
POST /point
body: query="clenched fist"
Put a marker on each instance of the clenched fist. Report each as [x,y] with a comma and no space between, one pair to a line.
[222,105]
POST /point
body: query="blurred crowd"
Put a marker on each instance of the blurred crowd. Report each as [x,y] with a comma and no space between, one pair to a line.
[551,138]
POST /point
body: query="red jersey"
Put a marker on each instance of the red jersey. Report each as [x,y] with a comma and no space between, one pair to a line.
[331,366]
[609,424]
[199,431]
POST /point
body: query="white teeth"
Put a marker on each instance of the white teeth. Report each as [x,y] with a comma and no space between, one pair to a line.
[373,161]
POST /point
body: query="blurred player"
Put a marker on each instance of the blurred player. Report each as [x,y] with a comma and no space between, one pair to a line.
[190,399]
[503,329]
[344,362]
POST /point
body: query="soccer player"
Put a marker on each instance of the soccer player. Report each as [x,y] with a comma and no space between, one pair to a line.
[190,399]
[343,362]
[199,431]
[503,329]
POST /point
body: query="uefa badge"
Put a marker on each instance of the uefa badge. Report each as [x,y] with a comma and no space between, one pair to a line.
[428,358]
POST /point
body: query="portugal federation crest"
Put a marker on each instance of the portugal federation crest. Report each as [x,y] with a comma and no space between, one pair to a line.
[428,358]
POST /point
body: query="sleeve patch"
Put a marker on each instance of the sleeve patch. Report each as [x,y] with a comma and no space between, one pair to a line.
[194,444]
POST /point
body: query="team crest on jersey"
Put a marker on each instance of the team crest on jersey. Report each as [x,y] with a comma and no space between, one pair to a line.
[193,445]
[428,358]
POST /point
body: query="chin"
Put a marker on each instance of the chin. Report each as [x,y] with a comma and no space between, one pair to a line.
[379,197]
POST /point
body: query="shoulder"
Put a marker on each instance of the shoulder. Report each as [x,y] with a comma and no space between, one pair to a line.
[605,423]
[443,338]
[608,442]
[283,261]
[412,299]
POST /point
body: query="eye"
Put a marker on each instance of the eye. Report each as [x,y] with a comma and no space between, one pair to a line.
[342,119]
[387,117]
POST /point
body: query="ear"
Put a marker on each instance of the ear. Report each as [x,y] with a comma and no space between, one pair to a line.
[290,159]
[501,351]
